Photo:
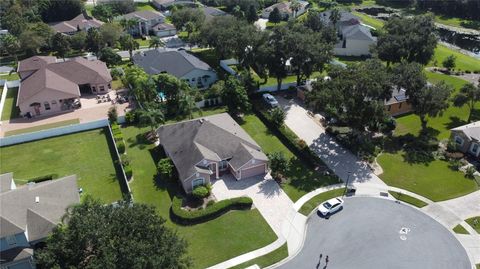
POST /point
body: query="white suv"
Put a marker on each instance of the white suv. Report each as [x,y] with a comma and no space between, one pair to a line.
[331,206]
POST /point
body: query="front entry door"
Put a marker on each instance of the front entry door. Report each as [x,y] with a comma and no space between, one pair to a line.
[37,110]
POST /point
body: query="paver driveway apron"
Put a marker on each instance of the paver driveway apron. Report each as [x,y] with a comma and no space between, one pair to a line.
[337,158]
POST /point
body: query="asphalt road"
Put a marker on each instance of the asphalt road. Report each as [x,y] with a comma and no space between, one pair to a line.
[372,233]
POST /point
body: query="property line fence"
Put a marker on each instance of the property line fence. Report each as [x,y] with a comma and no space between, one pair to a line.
[4,97]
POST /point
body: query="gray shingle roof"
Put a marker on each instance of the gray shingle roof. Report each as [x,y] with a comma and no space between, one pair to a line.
[144,15]
[357,32]
[81,21]
[176,63]
[471,130]
[6,182]
[20,208]
[16,254]
[216,138]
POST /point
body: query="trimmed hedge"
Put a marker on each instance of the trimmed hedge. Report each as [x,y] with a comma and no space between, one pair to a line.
[118,137]
[42,178]
[121,147]
[290,139]
[128,171]
[213,211]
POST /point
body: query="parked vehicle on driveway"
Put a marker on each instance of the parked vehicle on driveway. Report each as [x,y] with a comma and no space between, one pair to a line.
[270,100]
[331,206]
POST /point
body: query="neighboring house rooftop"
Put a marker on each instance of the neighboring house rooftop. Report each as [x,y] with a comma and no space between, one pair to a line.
[163,27]
[176,63]
[211,12]
[344,17]
[357,32]
[62,77]
[215,138]
[36,208]
[471,130]
[284,7]
[82,22]
[16,254]
[143,15]
[398,96]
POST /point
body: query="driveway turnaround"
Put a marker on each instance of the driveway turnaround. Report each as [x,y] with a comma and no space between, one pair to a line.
[374,233]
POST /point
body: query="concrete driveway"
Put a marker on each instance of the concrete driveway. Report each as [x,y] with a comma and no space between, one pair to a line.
[378,233]
[336,157]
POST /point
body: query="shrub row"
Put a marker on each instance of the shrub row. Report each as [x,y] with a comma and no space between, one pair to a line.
[212,211]
[118,137]
[290,139]
[42,178]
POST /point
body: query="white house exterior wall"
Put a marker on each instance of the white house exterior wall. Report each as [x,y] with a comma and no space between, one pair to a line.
[198,73]
[354,48]
[41,98]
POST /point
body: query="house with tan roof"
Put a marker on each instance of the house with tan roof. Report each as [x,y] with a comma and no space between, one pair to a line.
[286,10]
[208,148]
[467,138]
[48,85]
[28,214]
[149,22]
[82,22]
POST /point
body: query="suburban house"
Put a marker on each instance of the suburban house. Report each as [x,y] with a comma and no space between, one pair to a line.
[286,10]
[355,39]
[28,214]
[165,4]
[149,22]
[179,64]
[398,104]
[467,138]
[48,85]
[211,12]
[82,22]
[205,149]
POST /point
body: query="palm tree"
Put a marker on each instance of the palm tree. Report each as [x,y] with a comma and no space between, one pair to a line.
[128,43]
[295,6]
[155,42]
[128,24]
[187,105]
[151,117]
[335,16]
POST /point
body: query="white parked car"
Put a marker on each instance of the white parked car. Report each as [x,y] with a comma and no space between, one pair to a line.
[270,100]
[331,206]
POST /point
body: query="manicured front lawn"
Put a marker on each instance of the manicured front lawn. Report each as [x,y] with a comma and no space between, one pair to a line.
[451,118]
[143,42]
[460,230]
[13,76]
[230,235]
[266,260]
[407,199]
[10,110]
[457,22]
[144,6]
[86,154]
[313,203]
[43,127]
[300,178]
[463,62]
[475,223]
[435,181]
[117,84]
[376,23]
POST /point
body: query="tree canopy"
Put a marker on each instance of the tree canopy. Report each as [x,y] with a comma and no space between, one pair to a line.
[125,235]
[404,38]
[234,96]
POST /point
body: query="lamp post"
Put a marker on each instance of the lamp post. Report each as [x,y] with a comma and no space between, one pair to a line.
[346,183]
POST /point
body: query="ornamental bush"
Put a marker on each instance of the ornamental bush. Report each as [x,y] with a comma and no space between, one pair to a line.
[121,147]
[165,168]
[200,192]
[215,210]
[42,178]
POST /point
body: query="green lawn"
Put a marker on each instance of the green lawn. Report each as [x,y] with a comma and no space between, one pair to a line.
[143,42]
[435,181]
[408,199]
[451,118]
[87,154]
[460,230]
[457,22]
[300,178]
[10,109]
[463,62]
[476,226]
[273,81]
[266,260]
[13,76]
[43,127]
[209,243]
[117,84]
[376,23]
[144,6]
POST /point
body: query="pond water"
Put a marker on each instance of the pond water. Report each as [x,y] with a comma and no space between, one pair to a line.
[464,41]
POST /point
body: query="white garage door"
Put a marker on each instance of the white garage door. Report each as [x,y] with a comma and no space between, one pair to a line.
[253,171]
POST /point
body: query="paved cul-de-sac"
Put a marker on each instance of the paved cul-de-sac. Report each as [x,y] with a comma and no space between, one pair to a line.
[374,233]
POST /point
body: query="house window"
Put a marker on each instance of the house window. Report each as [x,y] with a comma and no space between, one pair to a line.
[459,140]
[102,88]
[94,89]
[46,105]
[11,240]
[223,165]
[193,79]
[389,107]
[54,102]
[400,105]
[474,148]
[109,85]
[197,182]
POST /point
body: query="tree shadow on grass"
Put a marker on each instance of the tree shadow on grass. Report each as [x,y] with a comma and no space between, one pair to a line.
[304,179]
[455,122]
[171,185]
[139,141]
